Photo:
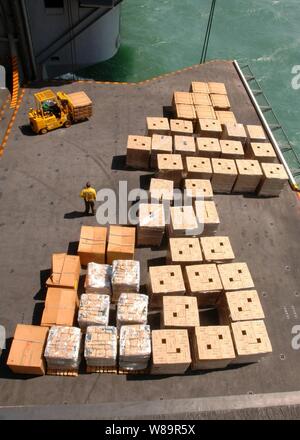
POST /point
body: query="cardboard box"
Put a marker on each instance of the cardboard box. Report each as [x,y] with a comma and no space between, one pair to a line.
[225,116]
[170,351]
[92,245]
[170,167]
[158,126]
[235,276]
[138,152]
[203,282]
[184,250]
[211,347]
[179,312]
[184,145]
[65,271]
[198,168]
[249,176]
[135,347]
[256,133]
[60,307]
[224,175]
[207,216]
[181,128]
[234,132]
[273,181]
[182,98]
[98,278]
[27,349]
[198,188]
[185,111]
[217,88]
[220,102]
[208,147]
[62,350]
[199,87]
[201,99]
[251,341]
[183,221]
[125,277]
[132,309]
[165,280]
[121,243]
[261,151]
[243,305]
[93,310]
[151,226]
[205,112]
[100,348]
[161,190]
[232,149]
[217,249]
[161,144]
[209,128]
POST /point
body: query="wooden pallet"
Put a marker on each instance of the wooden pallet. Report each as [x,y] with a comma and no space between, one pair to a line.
[55,372]
[134,372]
[107,370]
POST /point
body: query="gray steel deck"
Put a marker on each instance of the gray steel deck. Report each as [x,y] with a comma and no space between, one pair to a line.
[40,178]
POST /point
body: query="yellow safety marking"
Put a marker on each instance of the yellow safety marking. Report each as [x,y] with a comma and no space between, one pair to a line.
[15,80]
[11,122]
[4,105]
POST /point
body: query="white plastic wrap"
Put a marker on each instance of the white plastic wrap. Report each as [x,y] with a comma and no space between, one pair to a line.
[135,347]
[93,310]
[132,309]
[98,278]
[125,277]
[63,348]
[100,348]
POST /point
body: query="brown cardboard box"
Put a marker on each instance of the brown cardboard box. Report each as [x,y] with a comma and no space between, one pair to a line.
[121,243]
[182,98]
[185,111]
[251,341]
[92,245]
[158,126]
[170,167]
[208,147]
[207,215]
[60,307]
[26,352]
[209,128]
[243,305]
[170,352]
[184,145]
[217,249]
[151,226]
[256,133]
[179,312]
[261,151]
[161,144]
[224,175]
[138,152]
[232,149]
[165,280]
[198,168]
[225,116]
[65,271]
[199,87]
[249,176]
[196,188]
[205,112]
[235,276]
[203,281]
[161,190]
[181,128]
[201,99]
[183,221]
[220,102]
[211,347]
[273,180]
[217,87]
[184,251]
[234,132]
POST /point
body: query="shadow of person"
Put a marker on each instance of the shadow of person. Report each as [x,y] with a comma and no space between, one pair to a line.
[75,214]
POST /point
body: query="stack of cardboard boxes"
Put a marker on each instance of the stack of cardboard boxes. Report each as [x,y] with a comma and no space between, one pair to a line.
[135,347]
[98,278]
[184,251]
[138,152]
[151,226]
[93,310]
[62,350]
[165,280]
[132,309]
[100,348]
[60,307]
[92,245]
[125,278]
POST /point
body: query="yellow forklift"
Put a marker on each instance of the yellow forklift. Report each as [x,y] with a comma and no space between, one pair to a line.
[54,110]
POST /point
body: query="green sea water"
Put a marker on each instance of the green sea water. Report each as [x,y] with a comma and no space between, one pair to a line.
[159,36]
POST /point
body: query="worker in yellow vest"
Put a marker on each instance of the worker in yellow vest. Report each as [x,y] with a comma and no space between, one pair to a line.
[88,193]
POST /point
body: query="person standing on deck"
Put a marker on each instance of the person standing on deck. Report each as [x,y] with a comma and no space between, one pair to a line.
[88,193]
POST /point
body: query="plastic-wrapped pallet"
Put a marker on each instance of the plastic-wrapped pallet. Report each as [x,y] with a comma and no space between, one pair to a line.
[62,350]
[135,347]
[100,349]
[132,309]
[93,310]
[98,278]
[125,277]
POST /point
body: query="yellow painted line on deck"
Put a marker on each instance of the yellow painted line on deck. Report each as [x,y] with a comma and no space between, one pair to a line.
[11,122]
